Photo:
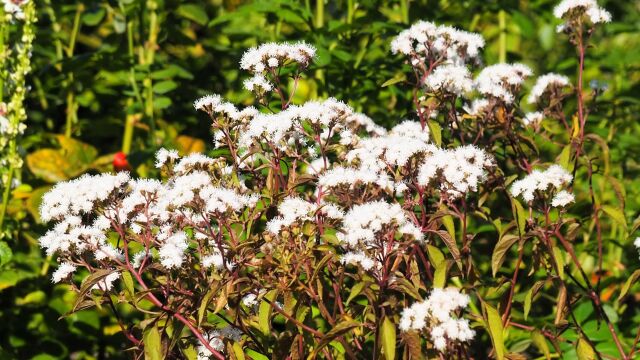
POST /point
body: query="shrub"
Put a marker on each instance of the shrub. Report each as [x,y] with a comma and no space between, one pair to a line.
[313,231]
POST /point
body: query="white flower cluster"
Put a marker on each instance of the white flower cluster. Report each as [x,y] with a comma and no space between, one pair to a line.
[216,341]
[554,177]
[213,104]
[280,129]
[562,199]
[457,171]
[364,222]
[636,243]
[88,208]
[533,118]
[545,84]
[295,209]
[428,40]
[63,271]
[78,197]
[258,84]
[572,9]
[163,156]
[477,107]
[272,55]
[450,79]
[13,8]
[502,81]
[437,315]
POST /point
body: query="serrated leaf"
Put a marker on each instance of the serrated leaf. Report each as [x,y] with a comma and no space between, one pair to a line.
[520,214]
[500,251]
[388,338]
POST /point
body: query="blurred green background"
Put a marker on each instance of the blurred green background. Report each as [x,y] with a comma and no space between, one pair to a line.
[122,75]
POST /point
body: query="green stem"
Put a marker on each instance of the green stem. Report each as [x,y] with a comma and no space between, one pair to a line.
[404,11]
[127,136]
[149,58]
[502,20]
[319,13]
[72,108]
[350,11]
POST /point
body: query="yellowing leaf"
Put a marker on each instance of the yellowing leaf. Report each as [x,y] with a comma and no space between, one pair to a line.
[494,325]
[188,145]
[388,339]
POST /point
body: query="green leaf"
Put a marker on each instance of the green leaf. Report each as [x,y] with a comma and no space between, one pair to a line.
[355,291]
[399,77]
[616,214]
[388,335]
[264,312]
[500,251]
[152,344]
[435,255]
[193,12]
[202,310]
[127,279]
[541,343]
[440,275]
[255,355]
[339,329]
[435,131]
[164,87]
[452,246]
[585,351]
[494,325]
[564,159]
[627,285]
[92,17]
[520,214]
[5,253]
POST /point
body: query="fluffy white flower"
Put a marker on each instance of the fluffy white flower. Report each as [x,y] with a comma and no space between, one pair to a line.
[363,222]
[359,258]
[425,39]
[590,8]
[163,155]
[258,83]
[14,8]
[546,83]
[502,81]
[456,171]
[451,79]
[271,54]
[562,199]
[436,314]
[477,107]
[63,271]
[533,118]
[79,196]
[291,209]
[554,177]
[172,251]
[350,177]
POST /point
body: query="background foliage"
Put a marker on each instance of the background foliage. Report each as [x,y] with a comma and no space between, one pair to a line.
[121,76]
